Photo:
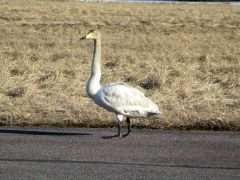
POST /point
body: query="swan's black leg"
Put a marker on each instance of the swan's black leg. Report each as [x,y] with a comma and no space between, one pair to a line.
[119,129]
[129,126]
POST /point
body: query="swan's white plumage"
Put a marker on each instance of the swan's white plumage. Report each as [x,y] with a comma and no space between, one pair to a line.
[125,100]
[119,98]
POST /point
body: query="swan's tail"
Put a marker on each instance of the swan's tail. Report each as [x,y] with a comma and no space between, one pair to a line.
[154,110]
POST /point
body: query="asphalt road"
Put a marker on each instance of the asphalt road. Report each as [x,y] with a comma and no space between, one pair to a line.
[146,154]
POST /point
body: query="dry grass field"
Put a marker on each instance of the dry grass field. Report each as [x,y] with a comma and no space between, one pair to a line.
[186,58]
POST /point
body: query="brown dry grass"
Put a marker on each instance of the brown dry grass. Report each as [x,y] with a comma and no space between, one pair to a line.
[184,57]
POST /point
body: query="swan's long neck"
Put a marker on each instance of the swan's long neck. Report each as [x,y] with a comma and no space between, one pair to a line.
[93,84]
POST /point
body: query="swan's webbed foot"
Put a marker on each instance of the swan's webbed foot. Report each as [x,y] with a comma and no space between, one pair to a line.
[119,127]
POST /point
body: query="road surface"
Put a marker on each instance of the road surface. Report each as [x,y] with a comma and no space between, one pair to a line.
[37,153]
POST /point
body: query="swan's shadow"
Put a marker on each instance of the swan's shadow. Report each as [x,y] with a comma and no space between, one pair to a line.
[41,132]
[110,137]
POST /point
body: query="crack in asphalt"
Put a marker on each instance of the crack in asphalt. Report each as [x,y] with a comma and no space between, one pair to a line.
[118,163]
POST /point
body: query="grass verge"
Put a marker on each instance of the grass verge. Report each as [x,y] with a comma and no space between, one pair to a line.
[184,57]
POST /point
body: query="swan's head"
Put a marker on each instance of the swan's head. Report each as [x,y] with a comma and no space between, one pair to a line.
[94,34]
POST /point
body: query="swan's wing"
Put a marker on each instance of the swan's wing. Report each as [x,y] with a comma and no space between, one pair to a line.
[125,89]
[128,100]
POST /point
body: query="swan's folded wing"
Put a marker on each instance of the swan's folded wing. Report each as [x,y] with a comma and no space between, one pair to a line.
[127,100]
[122,94]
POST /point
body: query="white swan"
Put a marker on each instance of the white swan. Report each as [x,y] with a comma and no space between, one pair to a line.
[119,98]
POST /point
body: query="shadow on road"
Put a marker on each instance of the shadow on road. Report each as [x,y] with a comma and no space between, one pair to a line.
[39,132]
[110,137]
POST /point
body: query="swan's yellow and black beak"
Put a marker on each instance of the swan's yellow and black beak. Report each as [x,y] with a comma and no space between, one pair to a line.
[83,38]
[91,35]
[88,36]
